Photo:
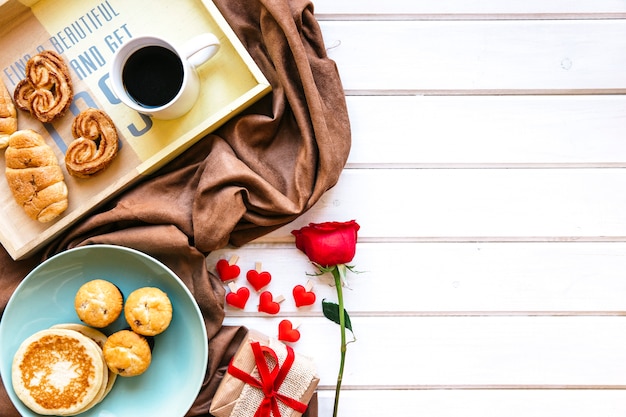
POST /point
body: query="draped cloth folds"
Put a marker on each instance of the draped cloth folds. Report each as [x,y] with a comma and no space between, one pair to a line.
[259,171]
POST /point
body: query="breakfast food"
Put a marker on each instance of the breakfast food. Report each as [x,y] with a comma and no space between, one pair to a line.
[94,334]
[69,368]
[98,303]
[95,143]
[34,176]
[148,311]
[47,90]
[8,116]
[100,339]
[59,372]
[127,353]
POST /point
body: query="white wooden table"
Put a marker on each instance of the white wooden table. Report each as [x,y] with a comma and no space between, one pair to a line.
[488,176]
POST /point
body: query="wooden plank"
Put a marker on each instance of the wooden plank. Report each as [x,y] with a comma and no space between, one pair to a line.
[467,276]
[492,403]
[485,57]
[450,278]
[455,8]
[466,352]
[532,131]
[475,204]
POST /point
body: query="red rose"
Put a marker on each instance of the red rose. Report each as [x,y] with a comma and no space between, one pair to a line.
[328,244]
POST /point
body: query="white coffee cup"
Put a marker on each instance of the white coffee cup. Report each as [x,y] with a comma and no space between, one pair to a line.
[155,78]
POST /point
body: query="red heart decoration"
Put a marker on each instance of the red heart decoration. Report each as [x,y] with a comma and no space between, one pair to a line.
[258,279]
[287,333]
[267,303]
[302,297]
[227,271]
[238,299]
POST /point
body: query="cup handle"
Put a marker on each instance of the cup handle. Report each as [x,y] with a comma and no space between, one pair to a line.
[201,48]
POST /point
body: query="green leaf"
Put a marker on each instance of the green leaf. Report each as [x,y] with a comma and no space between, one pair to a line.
[331,312]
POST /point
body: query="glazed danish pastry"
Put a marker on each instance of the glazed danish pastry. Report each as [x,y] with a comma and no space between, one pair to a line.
[34,176]
[95,144]
[8,116]
[47,90]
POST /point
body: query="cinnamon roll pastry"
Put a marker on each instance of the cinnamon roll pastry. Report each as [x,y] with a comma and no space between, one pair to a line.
[47,90]
[34,176]
[95,144]
[8,116]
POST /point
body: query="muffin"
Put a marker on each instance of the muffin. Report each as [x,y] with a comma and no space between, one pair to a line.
[127,353]
[98,303]
[148,311]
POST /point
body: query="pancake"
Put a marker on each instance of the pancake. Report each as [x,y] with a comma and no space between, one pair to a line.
[100,339]
[94,334]
[58,372]
[102,392]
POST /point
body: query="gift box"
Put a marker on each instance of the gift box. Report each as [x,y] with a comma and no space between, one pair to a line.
[265,378]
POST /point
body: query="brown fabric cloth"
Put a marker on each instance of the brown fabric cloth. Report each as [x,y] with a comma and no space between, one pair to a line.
[258,172]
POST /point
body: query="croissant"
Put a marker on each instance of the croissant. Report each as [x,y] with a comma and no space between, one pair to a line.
[47,90]
[35,177]
[8,116]
[94,146]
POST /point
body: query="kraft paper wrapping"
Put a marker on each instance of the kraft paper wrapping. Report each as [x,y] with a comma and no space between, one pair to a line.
[234,398]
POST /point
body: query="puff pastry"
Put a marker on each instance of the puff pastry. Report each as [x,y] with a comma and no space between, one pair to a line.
[95,144]
[8,116]
[34,176]
[47,90]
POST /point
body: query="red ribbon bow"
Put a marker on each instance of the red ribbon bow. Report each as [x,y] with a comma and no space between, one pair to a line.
[270,380]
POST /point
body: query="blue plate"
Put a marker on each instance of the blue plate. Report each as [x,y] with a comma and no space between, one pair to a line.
[46,297]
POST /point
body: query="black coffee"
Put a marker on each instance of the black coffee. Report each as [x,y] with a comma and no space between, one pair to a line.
[153,76]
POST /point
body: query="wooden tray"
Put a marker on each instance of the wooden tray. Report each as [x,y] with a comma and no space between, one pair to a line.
[87,33]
